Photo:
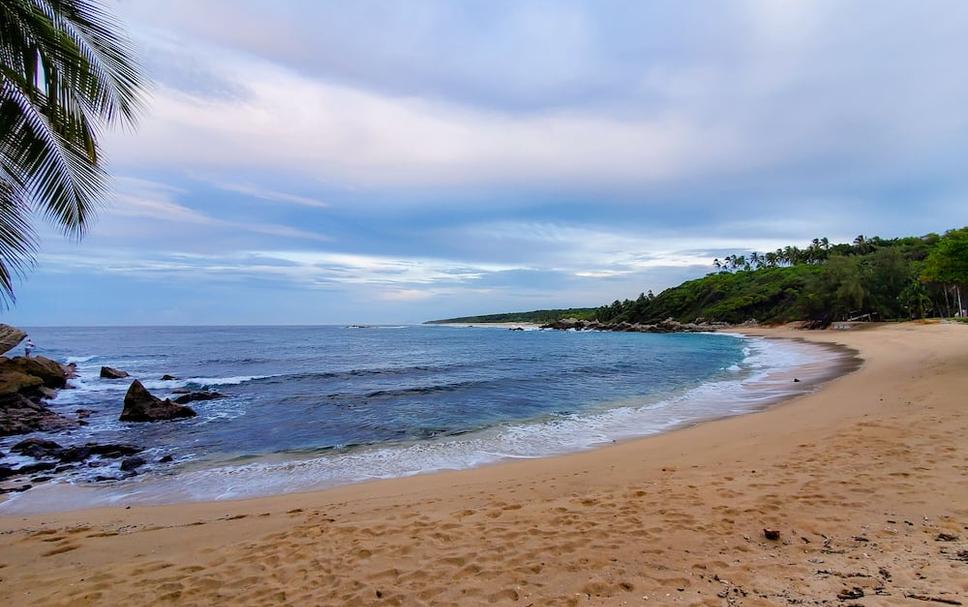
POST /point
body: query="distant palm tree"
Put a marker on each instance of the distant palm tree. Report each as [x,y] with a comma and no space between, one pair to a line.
[66,73]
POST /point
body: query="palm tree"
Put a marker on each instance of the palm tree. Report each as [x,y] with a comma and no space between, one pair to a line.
[66,73]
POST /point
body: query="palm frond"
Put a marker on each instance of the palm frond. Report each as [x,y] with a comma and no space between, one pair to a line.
[66,73]
[17,240]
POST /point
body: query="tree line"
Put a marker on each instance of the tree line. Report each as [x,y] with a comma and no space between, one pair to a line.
[869,278]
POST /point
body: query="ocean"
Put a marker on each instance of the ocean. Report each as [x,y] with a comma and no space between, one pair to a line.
[310,407]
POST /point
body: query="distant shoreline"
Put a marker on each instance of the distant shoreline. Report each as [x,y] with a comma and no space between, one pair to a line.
[487,325]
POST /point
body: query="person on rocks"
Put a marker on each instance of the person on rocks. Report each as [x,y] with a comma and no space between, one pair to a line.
[28,347]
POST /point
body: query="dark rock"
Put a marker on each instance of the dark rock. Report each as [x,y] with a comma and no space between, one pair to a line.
[132,463]
[165,459]
[200,395]
[74,454]
[83,413]
[141,406]
[41,479]
[516,329]
[19,489]
[111,373]
[796,380]
[167,377]
[7,471]
[946,537]
[181,391]
[36,448]
[771,534]
[850,593]
[100,478]
[24,384]
[21,415]
[113,450]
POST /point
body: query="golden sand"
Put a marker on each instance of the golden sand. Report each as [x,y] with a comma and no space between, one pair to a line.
[866,481]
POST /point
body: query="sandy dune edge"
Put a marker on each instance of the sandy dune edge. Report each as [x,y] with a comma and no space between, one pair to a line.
[867,481]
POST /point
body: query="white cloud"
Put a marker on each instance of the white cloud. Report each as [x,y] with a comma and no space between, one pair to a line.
[254,191]
[145,199]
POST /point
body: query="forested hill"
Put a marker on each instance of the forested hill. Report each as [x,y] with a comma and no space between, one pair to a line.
[535,316]
[875,278]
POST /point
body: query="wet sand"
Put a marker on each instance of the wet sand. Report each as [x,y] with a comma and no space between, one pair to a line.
[866,481]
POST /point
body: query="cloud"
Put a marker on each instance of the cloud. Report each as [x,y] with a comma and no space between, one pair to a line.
[255,191]
[494,155]
[145,199]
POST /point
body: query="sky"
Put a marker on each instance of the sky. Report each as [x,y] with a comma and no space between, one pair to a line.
[312,162]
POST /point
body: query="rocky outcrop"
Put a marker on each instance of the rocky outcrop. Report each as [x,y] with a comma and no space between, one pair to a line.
[52,374]
[167,377]
[10,337]
[66,458]
[142,406]
[668,325]
[112,373]
[24,384]
[199,395]
[36,448]
[39,448]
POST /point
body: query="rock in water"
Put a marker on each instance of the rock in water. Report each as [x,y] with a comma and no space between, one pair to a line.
[131,463]
[167,377]
[36,448]
[24,384]
[110,373]
[50,372]
[200,395]
[141,406]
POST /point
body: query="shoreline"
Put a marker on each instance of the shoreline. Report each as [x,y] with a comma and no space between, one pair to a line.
[861,478]
[762,389]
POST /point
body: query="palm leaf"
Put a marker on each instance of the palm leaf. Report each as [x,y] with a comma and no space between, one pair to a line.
[66,73]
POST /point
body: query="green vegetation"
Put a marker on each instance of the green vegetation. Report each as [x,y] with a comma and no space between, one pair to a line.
[66,73]
[870,278]
[536,316]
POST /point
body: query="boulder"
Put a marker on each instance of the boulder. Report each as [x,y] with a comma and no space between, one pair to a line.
[200,395]
[10,337]
[80,453]
[51,373]
[20,415]
[14,382]
[131,463]
[74,454]
[167,377]
[36,448]
[111,373]
[141,406]
[113,449]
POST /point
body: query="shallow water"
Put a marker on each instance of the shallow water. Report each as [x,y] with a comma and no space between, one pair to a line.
[308,407]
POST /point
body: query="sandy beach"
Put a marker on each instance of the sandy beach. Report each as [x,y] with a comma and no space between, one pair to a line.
[866,481]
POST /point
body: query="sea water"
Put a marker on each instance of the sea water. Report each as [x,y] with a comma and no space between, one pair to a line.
[310,407]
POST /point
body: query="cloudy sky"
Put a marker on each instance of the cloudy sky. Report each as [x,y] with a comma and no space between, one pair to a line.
[304,161]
